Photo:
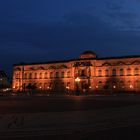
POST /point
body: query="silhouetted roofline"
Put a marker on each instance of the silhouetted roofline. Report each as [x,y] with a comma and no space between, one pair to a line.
[89,52]
[119,57]
[77,59]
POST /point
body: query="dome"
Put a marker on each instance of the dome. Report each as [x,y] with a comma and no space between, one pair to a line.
[88,54]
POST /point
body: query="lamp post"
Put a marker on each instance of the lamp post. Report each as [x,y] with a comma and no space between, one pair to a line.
[77,80]
[67,90]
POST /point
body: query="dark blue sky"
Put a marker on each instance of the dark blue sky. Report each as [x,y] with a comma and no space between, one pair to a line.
[42,30]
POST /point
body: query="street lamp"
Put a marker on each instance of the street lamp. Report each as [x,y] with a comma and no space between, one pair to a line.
[67,89]
[77,80]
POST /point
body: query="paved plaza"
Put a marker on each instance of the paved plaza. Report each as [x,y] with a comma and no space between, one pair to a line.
[75,117]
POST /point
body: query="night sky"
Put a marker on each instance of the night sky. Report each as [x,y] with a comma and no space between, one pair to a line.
[42,30]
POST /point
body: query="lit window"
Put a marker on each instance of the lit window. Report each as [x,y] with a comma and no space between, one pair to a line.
[106,72]
[35,76]
[136,71]
[68,74]
[51,75]
[57,75]
[128,71]
[30,76]
[137,84]
[114,72]
[46,75]
[121,72]
[99,72]
[25,76]
[62,74]
[83,73]
[100,85]
[40,75]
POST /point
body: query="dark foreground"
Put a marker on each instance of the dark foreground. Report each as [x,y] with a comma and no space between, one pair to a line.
[125,133]
[37,104]
[99,117]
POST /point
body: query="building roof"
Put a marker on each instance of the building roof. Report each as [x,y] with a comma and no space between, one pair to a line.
[78,59]
[89,52]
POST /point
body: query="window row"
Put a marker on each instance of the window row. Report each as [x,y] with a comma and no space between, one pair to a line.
[120,85]
[47,75]
[47,86]
[120,72]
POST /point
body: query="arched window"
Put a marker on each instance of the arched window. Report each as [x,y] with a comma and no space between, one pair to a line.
[121,72]
[121,84]
[83,73]
[51,74]
[107,85]
[45,86]
[17,75]
[30,75]
[35,76]
[79,72]
[40,75]
[62,74]
[137,84]
[25,76]
[46,75]
[100,85]
[136,71]
[68,74]
[114,72]
[107,72]
[100,73]
[128,72]
[57,74]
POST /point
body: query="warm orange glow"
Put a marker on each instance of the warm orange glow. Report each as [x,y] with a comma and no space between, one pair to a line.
[77,79]
[98,74]
[131,86]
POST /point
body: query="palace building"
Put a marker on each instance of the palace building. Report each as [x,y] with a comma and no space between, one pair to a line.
[87,72]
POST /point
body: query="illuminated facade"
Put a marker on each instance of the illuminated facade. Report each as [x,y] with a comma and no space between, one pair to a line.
[88,72]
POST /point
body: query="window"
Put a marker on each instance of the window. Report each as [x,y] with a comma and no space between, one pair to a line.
[100,73]
[137,84]
[114,72]
[82,72]
[106,72]
[121,83]
[57,74]
[128,72]
[35,76]
[107,85]
[51,74]
[45,86]
[25,76]
[30,76]
[136,71]
[62,74]
[17,76]
[40,75]
[79,72]
[68,74]
[46,75]
[100,85]
[121,72]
